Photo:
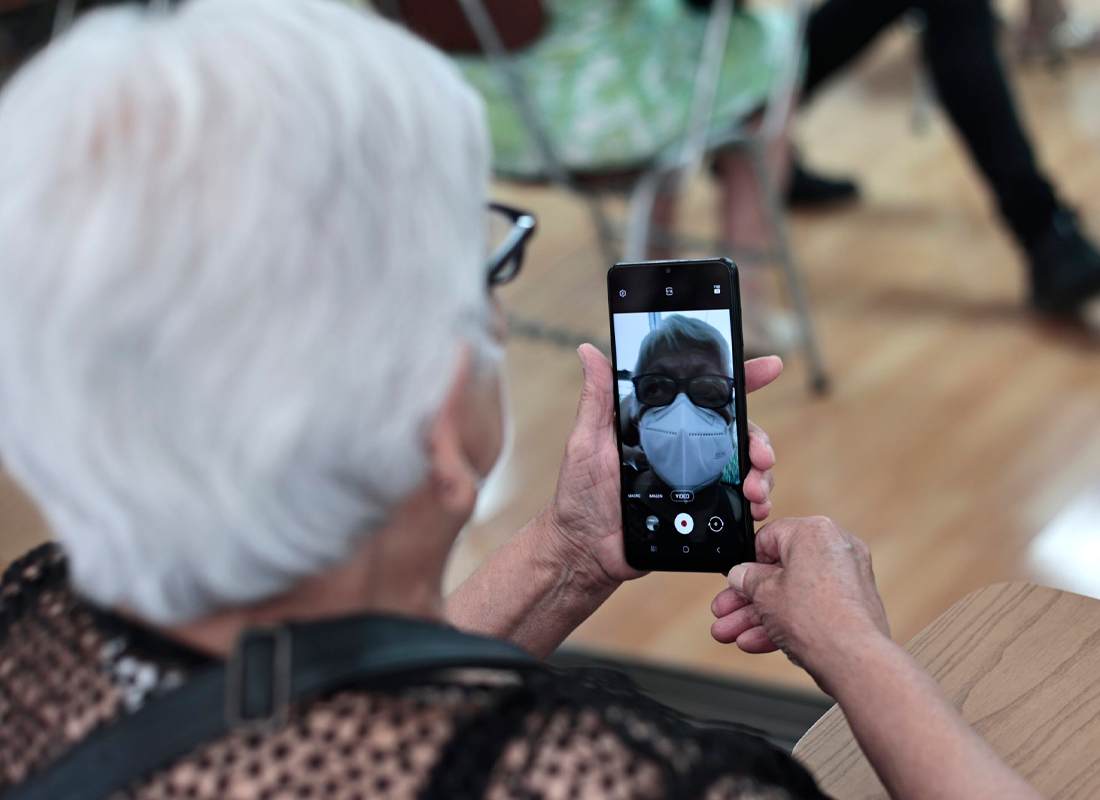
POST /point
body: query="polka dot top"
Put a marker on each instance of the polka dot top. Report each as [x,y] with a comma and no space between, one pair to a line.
[67,668]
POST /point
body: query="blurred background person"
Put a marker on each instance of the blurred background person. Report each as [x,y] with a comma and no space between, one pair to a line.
[960,50]
[613,81]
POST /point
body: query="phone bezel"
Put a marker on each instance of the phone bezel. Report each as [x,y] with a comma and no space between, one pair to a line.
[706,268]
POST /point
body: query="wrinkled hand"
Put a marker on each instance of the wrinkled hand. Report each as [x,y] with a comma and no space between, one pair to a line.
[584,516]
[812,595]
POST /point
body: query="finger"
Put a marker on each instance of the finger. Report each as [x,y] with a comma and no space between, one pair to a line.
[745,579]
[760,511]
[596,409]
[759,372]
[727,629]
[773,540]
[759,485]
[761,450]
[756,641]
[726,602]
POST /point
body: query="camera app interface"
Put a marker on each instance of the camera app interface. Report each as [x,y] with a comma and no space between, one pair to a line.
[680,467]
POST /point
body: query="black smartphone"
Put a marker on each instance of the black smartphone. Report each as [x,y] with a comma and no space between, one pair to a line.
[676,349]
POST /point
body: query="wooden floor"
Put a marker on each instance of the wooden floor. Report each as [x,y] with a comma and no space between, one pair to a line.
[961,438]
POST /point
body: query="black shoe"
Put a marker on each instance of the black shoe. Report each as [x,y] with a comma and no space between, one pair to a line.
[809,190]
[1065,268]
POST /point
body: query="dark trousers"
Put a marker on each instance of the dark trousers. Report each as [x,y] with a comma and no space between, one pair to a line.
[960,51]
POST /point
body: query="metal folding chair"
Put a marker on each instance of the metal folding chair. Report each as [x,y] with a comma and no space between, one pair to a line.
[678,165]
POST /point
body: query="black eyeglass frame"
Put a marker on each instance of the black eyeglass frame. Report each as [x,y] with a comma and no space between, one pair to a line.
[507,259]
[684,385]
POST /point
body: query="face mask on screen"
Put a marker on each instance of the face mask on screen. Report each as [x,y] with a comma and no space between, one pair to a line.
[687,446]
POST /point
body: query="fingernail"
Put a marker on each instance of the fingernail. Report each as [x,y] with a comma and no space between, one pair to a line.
[584,370]
[771,450]
[737,579]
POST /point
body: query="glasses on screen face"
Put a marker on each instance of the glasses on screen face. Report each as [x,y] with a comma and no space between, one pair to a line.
[508,233]
[705,391]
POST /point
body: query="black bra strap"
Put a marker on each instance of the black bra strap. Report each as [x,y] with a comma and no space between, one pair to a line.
[271,670]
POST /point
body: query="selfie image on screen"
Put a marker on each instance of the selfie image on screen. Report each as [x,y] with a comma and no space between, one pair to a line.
[679,434]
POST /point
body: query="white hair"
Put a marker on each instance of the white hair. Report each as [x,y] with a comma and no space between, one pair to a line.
[240,252]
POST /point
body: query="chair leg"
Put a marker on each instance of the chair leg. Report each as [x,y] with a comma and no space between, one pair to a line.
[924,94]
[640,216]
[924,101]
[605,231]
[776,220]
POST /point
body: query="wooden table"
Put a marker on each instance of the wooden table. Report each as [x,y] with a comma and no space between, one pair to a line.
[1022,664]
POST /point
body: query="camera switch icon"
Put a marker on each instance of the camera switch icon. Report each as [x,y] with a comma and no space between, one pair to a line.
[668,291]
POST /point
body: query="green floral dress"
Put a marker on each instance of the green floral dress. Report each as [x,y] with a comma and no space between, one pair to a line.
[613,80]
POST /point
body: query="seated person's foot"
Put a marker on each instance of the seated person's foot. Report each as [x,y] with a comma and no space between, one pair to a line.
[1065,268]
[812,190]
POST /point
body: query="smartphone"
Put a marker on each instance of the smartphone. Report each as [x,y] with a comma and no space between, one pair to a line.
[677,351]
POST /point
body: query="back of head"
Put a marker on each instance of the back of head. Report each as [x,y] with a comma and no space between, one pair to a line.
[241,249]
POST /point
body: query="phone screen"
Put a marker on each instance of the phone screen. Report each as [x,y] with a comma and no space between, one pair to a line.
[676,342]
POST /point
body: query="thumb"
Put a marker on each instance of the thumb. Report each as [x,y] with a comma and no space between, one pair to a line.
[595,409]
[746,579]
[759,372]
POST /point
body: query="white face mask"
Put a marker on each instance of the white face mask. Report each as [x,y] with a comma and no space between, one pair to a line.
[687,446]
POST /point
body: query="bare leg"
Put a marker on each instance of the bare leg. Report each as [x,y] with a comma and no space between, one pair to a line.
[1045,12]
[744,227]
[663,218]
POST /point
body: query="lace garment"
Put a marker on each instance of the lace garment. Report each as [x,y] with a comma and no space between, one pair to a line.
[66,668]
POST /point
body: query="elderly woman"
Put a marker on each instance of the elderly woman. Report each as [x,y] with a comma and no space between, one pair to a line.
[250,369]
[678,424]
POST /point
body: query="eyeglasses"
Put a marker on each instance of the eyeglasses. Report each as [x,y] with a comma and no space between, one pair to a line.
[706,391]
[507,258]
